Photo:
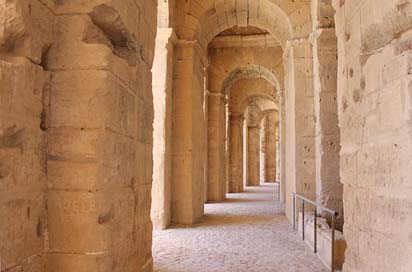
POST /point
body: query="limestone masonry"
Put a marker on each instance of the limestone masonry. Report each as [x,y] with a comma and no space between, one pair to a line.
[118,117]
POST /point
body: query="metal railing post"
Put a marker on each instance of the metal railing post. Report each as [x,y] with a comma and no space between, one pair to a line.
[294,212]
[303,220]
[332,265]
[318,208]
[315,230]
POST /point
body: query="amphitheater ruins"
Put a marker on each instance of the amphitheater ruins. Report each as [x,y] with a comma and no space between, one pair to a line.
[197,135]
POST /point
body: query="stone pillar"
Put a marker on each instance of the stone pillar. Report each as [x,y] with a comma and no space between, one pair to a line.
[236,153]
[277,152]
[99,116]
[253,159]
[270,146]
[262,149]
[329,189]
[245,149]
[216,185]
[189,141]
[162,92]
[282,145]
[300,122]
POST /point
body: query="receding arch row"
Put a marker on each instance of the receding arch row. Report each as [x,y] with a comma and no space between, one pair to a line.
[251,71]
[244,89]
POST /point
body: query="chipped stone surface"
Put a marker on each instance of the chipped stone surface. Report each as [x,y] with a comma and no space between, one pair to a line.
[76,112]
[374,117]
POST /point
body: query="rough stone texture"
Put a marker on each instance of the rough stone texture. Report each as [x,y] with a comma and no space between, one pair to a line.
[329,189]
[22,165]
[77,74]
[263,148]
[189,135]
[300,123]
[76,114]
[236,153]
[203,21]
[374,99]
[25,32]
[270,138]
[216,184]
[253,145]
[250,233]
[282,144]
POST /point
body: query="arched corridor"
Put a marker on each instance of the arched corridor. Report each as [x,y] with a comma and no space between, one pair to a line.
[151,134]
[247,232]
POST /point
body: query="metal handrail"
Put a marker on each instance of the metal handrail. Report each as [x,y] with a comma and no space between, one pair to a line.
[318,207]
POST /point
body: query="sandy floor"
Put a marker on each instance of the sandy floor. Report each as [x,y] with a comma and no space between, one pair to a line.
[248,232]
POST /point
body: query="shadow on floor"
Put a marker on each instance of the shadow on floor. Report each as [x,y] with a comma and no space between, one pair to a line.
[255,190]
[232,199]
[218,220]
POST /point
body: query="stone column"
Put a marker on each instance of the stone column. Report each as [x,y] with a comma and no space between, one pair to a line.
[300,122]
[99,115]
[245,149]
[270,146]
[262,149]
[189,141]
[253,159]
[282,145]
[162,92]
[216,185]
[329,189]
[236,153]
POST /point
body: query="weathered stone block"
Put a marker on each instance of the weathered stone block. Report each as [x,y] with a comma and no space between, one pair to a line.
[92,100]
[26,28]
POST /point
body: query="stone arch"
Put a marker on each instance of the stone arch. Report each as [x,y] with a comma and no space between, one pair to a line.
[262,13]
[228,64]
[266,106]
[296,15]
[264,101]
[244,89]
[251,71]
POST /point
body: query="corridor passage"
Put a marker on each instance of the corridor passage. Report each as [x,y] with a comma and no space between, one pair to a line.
[248,232]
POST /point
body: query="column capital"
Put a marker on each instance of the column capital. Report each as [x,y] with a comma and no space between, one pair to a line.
[179,43]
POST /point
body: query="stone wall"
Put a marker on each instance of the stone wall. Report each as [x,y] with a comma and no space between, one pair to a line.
[374,98]
[76,134]
[26,32]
